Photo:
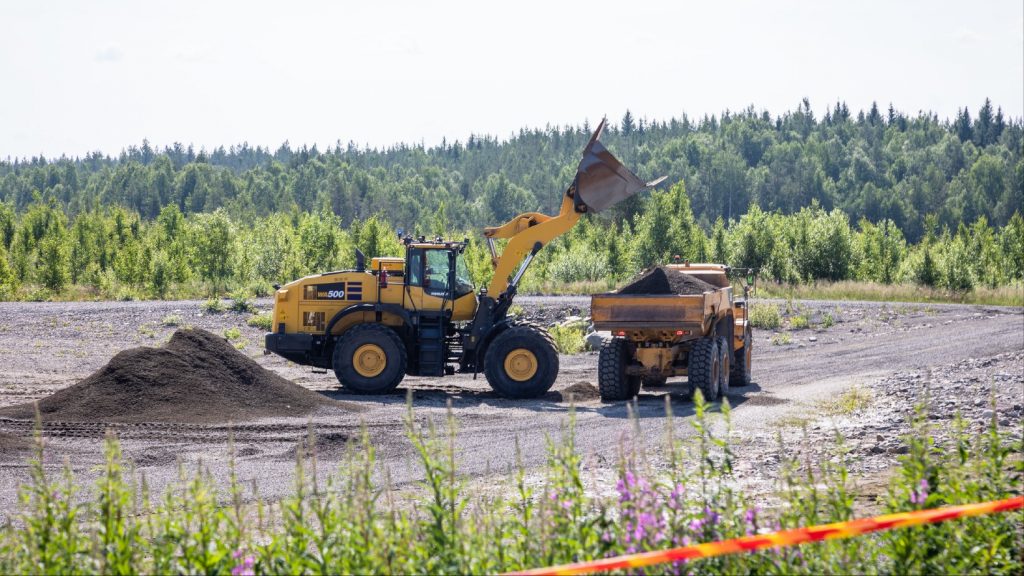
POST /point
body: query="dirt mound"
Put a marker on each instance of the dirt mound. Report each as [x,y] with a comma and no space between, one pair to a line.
[580,392]
[198,377]
[664,281]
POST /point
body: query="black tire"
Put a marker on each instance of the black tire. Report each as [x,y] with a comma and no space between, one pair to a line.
[704,367]
[387,341]
[537,342]
[739,369]
[724,347]
[612,381]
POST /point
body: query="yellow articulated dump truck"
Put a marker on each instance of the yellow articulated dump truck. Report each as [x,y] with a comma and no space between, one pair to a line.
[421,315]
[677,320]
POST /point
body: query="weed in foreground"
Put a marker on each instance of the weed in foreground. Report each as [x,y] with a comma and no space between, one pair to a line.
[353,521]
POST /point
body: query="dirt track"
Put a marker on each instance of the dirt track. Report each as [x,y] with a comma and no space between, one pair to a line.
[48,346]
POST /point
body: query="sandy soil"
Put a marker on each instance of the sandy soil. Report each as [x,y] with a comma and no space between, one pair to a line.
[48,346]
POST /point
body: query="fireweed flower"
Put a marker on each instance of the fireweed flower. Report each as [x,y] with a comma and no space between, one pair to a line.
[920,495]
[245,567]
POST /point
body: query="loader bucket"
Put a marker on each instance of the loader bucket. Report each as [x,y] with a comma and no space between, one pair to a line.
[602,181]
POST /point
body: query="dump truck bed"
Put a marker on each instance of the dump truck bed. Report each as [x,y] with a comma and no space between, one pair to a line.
[663,314]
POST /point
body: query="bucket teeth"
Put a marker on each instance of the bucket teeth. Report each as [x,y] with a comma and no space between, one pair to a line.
[601,180]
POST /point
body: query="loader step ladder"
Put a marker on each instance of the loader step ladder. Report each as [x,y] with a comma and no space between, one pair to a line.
[430,342]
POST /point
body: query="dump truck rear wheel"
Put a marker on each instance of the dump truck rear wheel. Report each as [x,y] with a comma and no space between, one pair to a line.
[739,370]
[704,368]
[723,366]
[521,362]
[370,359]
[612,380]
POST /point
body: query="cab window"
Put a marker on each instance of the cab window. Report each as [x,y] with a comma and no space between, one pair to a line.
[415,268]
[436,273]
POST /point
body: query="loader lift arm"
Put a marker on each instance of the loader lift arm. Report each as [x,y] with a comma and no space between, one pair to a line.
[601,181]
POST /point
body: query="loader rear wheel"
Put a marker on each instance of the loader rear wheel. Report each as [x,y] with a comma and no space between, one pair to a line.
[521,362]
[739,370]
[704,368]
[724,348]
[612,380]
[370,359]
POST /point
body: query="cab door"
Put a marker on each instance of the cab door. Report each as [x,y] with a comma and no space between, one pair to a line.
[427,274]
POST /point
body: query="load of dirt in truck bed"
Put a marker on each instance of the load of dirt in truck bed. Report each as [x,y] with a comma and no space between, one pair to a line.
[664,281]
[198,377]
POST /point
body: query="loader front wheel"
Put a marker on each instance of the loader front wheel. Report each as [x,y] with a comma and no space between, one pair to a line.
[704,368]
[370,359]
[521,362]
[612,380]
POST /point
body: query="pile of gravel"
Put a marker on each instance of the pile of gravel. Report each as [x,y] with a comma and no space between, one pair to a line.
[198,377]
[665,281]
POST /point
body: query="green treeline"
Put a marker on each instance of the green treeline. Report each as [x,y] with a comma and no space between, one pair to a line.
[879,196]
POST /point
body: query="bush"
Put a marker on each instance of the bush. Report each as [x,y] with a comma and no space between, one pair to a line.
[781,339]
[240,303]
[261,321]
[171,320]
[799,322]
[213,306]
[232,334]
[765,316]
[569,337]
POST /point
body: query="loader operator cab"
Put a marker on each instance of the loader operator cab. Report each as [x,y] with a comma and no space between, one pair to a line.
[439,269]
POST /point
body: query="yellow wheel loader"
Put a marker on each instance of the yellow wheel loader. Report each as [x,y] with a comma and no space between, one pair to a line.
[420,315]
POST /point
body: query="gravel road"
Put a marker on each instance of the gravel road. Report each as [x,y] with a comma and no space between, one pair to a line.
[884,346]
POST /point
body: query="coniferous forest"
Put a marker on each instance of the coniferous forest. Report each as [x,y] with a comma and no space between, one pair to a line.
[873,195]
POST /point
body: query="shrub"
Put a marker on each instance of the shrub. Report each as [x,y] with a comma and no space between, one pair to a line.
[781,339]
[240,303]
[261,321]
[232,334]
[569,337]
[765,316]
[171,320]
[213,306]
[798,322]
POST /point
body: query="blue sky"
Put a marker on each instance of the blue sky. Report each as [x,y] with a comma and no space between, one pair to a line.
[102,75]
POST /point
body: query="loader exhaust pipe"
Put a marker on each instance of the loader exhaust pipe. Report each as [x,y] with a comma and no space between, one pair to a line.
[601,180]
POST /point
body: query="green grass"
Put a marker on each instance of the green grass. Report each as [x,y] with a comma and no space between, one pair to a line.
[765,316]
[781,339]
[355,521]
[870,291]
[853,400]
[232,334]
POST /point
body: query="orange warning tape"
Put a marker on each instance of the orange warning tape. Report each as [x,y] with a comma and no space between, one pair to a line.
[783,538]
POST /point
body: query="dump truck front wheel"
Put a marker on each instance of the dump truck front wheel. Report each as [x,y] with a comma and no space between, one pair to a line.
[724,349]
[521,362]
[370,359]
[704,368]
[612,380]
[739,370]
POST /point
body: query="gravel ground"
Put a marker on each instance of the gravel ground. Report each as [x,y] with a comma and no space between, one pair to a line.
[891,352]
